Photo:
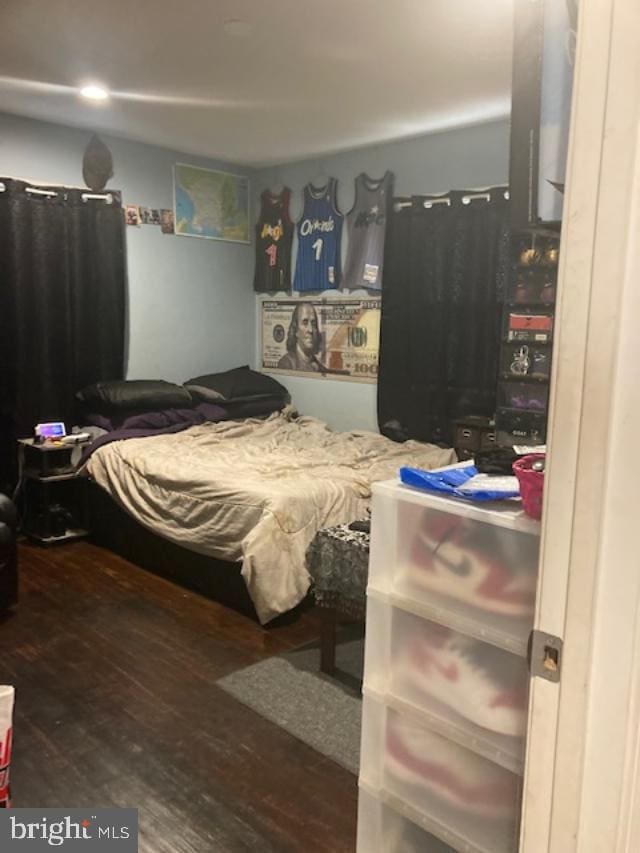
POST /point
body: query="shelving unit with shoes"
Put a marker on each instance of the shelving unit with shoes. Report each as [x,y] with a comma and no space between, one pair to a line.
[527,338]
[52,494]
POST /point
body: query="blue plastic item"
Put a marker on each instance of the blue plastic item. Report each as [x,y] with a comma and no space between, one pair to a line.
[450,481]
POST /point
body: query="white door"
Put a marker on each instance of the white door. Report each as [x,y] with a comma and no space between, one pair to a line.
[583,752]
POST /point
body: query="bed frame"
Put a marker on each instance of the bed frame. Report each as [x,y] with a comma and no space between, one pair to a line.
[114,529]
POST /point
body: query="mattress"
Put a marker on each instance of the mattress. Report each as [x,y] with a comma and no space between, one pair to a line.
[255,491]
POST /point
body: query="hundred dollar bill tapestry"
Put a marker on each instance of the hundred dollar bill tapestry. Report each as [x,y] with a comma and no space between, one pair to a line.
[211,204]
[335,339]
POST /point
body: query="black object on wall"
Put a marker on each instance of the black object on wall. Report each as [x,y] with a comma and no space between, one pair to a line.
[97,164]
[544,36]
[446,270]
[528,33]
[62,303]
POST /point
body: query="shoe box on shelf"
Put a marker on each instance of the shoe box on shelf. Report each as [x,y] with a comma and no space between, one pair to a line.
[527,338]
[472,434]
[450,606]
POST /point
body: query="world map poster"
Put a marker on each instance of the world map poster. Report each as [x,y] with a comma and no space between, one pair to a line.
[211,204]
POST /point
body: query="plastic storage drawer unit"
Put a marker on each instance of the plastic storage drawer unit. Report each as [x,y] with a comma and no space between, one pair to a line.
[450,604]
[467,690]
[381,829]
[461,797]
[466,566]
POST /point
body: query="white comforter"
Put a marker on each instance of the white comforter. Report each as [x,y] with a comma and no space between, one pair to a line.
[254,490]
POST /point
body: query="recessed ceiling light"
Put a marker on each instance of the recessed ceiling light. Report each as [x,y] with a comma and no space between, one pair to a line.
[93,92]
[235,27]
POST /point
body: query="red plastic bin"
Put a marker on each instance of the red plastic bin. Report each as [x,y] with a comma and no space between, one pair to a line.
[531,484]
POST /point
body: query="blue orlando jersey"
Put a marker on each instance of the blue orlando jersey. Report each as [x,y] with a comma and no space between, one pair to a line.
[319,233]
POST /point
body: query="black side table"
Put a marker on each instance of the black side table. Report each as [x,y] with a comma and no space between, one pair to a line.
[54,505]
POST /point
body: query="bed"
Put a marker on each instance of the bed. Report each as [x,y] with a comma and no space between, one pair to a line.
[254,491]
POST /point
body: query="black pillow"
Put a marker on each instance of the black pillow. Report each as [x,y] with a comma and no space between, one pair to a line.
[241,383]
[253,407]
[143,395]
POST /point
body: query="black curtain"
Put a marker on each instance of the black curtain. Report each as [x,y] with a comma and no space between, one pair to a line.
[446,268]
[62,304]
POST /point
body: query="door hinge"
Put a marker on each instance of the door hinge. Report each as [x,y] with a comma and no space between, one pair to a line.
[544,655]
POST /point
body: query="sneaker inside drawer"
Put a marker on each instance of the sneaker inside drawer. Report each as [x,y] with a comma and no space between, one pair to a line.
[469,795]
[474,567]
[476,689]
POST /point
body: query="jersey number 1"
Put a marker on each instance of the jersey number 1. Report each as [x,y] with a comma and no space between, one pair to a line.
[317,246]
[272,252]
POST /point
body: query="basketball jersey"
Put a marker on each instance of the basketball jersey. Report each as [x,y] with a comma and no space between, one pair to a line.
[366,225]
[319,235]
[274,237]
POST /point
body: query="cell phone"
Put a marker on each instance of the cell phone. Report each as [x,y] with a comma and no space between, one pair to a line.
[55,429]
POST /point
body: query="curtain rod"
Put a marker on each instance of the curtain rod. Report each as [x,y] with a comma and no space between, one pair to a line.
[431,201]
[399,205]
[466,199]
[108,197]
[487,196]
[36,191]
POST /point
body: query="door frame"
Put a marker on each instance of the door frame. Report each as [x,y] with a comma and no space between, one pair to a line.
[583,745]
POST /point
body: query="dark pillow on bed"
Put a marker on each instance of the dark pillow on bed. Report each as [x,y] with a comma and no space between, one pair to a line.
[102,421]
[158,419]
[253,408]
[211,412]
[163,418]
[138,395]
[238,384]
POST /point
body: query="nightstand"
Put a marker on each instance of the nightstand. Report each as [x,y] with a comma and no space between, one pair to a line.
[54,506]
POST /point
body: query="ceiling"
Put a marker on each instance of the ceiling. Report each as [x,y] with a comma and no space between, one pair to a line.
[308,78]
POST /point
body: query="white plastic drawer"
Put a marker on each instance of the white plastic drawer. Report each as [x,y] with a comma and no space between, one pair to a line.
[381,829]
[467,690]
[473,568]
[461,795]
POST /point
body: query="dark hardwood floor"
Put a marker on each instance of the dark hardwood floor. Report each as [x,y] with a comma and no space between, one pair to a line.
[116,704]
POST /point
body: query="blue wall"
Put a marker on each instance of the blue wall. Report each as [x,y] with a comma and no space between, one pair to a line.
[457,159]
[190,299]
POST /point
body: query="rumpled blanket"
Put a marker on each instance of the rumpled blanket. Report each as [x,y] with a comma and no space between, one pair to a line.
[255,490]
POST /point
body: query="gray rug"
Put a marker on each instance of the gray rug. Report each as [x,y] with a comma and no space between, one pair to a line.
[290,691]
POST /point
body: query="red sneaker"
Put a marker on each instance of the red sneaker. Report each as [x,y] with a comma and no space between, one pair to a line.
[483,684]
[491,568]
[416,756]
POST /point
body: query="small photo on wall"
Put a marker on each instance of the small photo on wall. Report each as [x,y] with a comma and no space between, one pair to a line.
[132,214]
[166,221]
[146,216]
